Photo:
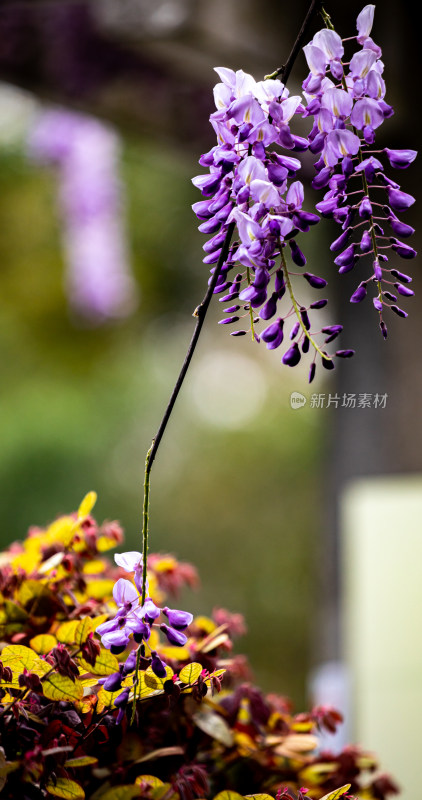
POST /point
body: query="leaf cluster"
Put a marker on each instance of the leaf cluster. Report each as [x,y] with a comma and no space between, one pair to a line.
[202,731]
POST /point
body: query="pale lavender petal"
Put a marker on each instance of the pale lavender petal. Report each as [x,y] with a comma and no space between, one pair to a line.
[124,592]
[129,561]
[364,23]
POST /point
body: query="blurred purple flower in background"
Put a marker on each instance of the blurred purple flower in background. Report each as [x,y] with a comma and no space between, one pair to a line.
[87,152]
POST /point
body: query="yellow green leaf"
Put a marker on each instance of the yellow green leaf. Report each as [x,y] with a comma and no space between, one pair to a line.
[191,672]
[13,612]
[149,780]
[152,681]
[37,598]
[82,761]
[215,726]
[337,792]
[43,643]
[228,795]
[60,687]
[105,543]
[63,787]
[100,589]
[121,793]
[174,653]
[84,628]
[18,657]
[87,505]
[105,664]
[205,624]
[260,796]
[65,633]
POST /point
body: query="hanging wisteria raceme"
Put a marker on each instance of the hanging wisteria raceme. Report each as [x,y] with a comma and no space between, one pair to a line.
[87,153]
[346,101]
[252,183]
[132,625]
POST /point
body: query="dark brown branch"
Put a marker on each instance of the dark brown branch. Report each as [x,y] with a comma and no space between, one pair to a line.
[285,70]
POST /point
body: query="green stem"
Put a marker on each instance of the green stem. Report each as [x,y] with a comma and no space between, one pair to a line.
[145,520]
[248,275]
[296,308]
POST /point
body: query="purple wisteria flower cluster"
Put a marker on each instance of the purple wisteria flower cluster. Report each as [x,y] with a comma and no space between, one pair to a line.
[86,153]
[252,186]
[347,108]
[251,182]
[133,621]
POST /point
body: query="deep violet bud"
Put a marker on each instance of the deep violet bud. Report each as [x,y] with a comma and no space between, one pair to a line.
[305,344]
[113,682]
[347,257]
[210,225]
[268,310]
[347,166]
[366,242]
[297,255]
[365,208]
[402,249]
[292,355]
[377,270]
[400,158]
[208,184]
[383,329]
[377,303]
[332,329]
[276,174]
[326,207]
[122,700]
[130,663]
[219,201]
[178,619]
[157,665]
[327,362]
[314,280]
[116,649]
[341,241]
[175,637]
[305,319]
[279,281]
[238,333]
[390,296]
[294,331]
[399,200]
[319,304]
[345,353]
[400,227]
[228,320]
[398,311]
[358,295]
[404,290]
[273,335]
[322,179]
[401,276]
[312,369]
[202,210]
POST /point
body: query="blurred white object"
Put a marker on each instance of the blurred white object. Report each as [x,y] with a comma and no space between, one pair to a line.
[329,686]
[382,620]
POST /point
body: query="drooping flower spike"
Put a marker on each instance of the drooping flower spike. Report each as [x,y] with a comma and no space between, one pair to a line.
[347,109]
[252,182]
[134,620]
